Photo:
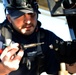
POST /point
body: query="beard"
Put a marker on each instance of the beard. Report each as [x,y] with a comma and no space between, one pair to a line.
[27,28]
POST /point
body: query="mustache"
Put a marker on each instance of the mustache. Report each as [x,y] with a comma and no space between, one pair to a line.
[25,25]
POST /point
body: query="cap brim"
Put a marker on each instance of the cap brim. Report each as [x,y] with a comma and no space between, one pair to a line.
[17,13]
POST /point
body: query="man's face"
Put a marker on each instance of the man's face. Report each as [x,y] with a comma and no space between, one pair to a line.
[25,24]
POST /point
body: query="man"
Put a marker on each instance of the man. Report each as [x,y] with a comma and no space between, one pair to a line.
[24,29]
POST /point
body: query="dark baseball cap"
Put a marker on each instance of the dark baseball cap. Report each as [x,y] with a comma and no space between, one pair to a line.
[17,8]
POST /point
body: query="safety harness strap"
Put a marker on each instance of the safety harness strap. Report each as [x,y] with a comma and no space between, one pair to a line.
[40,53]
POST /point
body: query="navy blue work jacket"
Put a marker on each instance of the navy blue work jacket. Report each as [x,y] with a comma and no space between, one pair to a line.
[51,64]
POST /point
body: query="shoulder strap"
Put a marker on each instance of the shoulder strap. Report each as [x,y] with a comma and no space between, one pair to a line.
[2,40]
[40,35]
[39,49]
[5,32]
[40,53]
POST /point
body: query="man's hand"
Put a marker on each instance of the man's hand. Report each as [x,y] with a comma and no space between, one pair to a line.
[11,57]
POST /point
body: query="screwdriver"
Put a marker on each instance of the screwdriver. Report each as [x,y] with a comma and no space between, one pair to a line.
[32,45]
[24,46]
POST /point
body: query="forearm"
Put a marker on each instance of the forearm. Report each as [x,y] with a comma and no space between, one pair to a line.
[4,70]
[71,68]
